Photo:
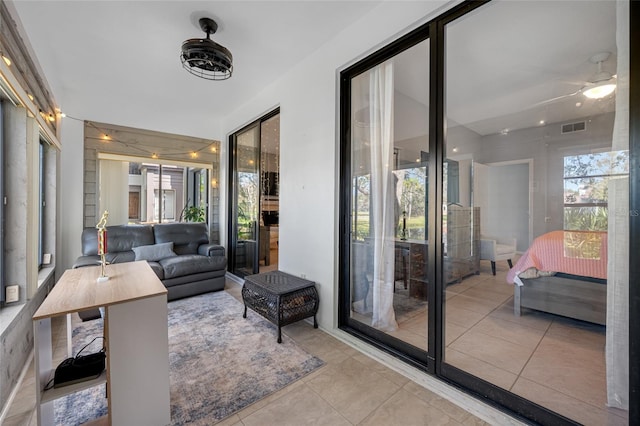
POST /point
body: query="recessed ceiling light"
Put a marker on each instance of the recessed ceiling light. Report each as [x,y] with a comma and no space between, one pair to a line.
[541,122]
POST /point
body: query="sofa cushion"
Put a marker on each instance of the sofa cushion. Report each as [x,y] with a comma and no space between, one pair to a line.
[119,238]
[154,252]
[188,264]
[186,237]
[120,256]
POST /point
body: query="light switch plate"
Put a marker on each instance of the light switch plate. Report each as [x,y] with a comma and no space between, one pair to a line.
[46,258]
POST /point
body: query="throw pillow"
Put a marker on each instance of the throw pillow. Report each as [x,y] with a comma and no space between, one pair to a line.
[154,252]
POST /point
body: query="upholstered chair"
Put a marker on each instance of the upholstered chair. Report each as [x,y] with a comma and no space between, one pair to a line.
[495,249]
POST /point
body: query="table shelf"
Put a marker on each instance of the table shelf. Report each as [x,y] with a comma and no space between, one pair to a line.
[55,393]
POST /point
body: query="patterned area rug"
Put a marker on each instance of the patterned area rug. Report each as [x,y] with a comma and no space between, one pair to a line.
[219,362]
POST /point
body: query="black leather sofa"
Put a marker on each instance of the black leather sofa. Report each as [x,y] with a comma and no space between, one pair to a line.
[193,266]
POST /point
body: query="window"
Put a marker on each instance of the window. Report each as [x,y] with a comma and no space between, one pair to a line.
[586,182]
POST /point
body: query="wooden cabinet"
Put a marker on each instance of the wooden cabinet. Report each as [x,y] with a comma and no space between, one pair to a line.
[462,251]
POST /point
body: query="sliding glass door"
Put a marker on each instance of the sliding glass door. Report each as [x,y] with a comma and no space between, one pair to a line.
[533,121]
[388,199]
[486,188]
[253,188]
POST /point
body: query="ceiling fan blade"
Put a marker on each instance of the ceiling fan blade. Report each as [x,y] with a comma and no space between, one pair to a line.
[556,99]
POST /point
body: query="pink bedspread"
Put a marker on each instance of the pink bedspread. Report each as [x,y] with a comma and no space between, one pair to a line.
[572,252]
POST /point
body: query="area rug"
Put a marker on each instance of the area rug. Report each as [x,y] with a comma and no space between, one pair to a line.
[219,362]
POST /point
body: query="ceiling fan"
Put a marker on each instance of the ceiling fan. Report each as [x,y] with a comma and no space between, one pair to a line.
[600,85]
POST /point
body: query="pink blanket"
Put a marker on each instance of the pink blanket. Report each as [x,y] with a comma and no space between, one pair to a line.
[572,252]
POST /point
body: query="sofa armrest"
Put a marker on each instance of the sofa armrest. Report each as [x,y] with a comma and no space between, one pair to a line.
[91,260]
[211,250]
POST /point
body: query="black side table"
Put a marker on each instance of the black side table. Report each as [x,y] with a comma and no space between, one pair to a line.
[281,298]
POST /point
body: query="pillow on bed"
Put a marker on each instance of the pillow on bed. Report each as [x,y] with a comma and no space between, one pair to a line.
[535,273]
[154,252]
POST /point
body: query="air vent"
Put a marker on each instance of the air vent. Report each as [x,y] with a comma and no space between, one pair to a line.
[579,126]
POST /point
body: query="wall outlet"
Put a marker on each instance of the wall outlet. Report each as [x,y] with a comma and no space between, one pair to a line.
[13,294]
[46,258]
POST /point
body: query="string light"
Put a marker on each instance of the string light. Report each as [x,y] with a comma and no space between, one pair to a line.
[6,60]
[134,145]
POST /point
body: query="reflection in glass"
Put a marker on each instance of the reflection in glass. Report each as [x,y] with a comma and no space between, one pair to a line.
[389,160]
[547,166]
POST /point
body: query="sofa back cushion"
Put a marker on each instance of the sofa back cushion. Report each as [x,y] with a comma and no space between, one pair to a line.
[120,238]
[186,237]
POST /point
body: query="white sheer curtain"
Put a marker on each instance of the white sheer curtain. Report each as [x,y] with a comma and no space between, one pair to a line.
[382,195]
[617,346]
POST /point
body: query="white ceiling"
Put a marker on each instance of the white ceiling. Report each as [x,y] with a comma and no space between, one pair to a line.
[118,61]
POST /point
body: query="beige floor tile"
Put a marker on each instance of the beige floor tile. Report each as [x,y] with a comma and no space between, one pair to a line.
[579,333]
[481,306]
[291,408]
[529,318]
[452,332]
[417,324]
[381,369]
[353,389]
[482,293]
[461,317]
[403,408]
[569,368]
[493,350]
[511,332]
[327,348]
[572,408]
[247,411]
[479,368]
[495,286]
[457,413]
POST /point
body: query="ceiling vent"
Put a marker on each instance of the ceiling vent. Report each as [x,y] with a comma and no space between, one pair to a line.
[579,126]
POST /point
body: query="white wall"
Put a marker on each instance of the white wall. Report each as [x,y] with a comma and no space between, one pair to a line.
[114,191]
[309,143]
[507,211]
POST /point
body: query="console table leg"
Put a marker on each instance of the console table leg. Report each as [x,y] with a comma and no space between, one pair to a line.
[315,322]
[279,335]
[245,311]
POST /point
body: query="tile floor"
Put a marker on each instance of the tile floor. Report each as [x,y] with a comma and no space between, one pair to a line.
[557,362]
[350,389]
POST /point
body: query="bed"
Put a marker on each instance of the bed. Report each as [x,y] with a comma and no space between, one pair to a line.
[563,273]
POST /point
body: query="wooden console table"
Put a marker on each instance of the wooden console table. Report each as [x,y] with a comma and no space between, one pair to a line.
[136,339]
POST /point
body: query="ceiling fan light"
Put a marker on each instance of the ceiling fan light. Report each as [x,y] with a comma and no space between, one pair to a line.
[599,91]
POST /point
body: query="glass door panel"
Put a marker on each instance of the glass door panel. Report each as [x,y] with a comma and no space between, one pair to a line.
[246,203]
[388,193]
[540,184]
